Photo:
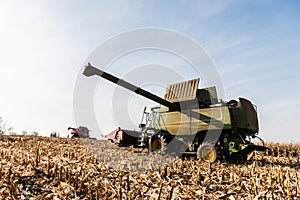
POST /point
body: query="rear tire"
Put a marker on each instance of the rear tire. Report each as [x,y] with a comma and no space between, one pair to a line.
[207,152]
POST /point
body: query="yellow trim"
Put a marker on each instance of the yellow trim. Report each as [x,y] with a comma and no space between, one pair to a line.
[208,155]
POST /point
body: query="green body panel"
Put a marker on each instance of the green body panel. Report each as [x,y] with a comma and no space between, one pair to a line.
[244,116]
[241,116]
[182,123]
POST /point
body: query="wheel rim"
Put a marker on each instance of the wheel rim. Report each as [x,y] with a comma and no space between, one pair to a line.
[208,155]
[207,152]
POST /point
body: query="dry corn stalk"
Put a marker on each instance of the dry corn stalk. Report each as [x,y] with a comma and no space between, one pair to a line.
[61,168]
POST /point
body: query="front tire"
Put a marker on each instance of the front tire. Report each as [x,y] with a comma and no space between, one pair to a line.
[157,144]
[159,141]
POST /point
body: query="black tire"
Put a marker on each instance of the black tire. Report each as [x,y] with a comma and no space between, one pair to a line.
[159,141]
[166,136]
[207,152]
[157,144]
[75,136]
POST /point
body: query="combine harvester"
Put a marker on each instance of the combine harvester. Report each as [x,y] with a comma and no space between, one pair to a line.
[190,121]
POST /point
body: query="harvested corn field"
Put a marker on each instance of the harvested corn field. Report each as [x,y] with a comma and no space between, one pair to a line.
[61,168]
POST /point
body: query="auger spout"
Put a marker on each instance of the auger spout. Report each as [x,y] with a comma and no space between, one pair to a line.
[91,71]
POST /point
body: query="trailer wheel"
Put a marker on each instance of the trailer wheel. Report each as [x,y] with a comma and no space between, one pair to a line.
[207,152]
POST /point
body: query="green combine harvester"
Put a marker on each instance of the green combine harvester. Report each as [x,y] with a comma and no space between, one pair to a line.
[190,121]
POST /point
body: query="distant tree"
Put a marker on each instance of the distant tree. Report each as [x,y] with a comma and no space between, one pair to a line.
[11,131]
[54,134]
[4,126]
[34,133]
[24,132]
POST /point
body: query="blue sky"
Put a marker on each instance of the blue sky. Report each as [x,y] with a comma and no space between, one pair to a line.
[254,44]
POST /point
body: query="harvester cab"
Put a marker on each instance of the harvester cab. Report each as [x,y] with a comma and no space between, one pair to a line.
[150,119]
[191,120]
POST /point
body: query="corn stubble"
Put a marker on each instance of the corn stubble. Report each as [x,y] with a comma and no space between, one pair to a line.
[61,168]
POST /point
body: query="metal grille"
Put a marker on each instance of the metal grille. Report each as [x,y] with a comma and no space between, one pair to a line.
[182,91]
